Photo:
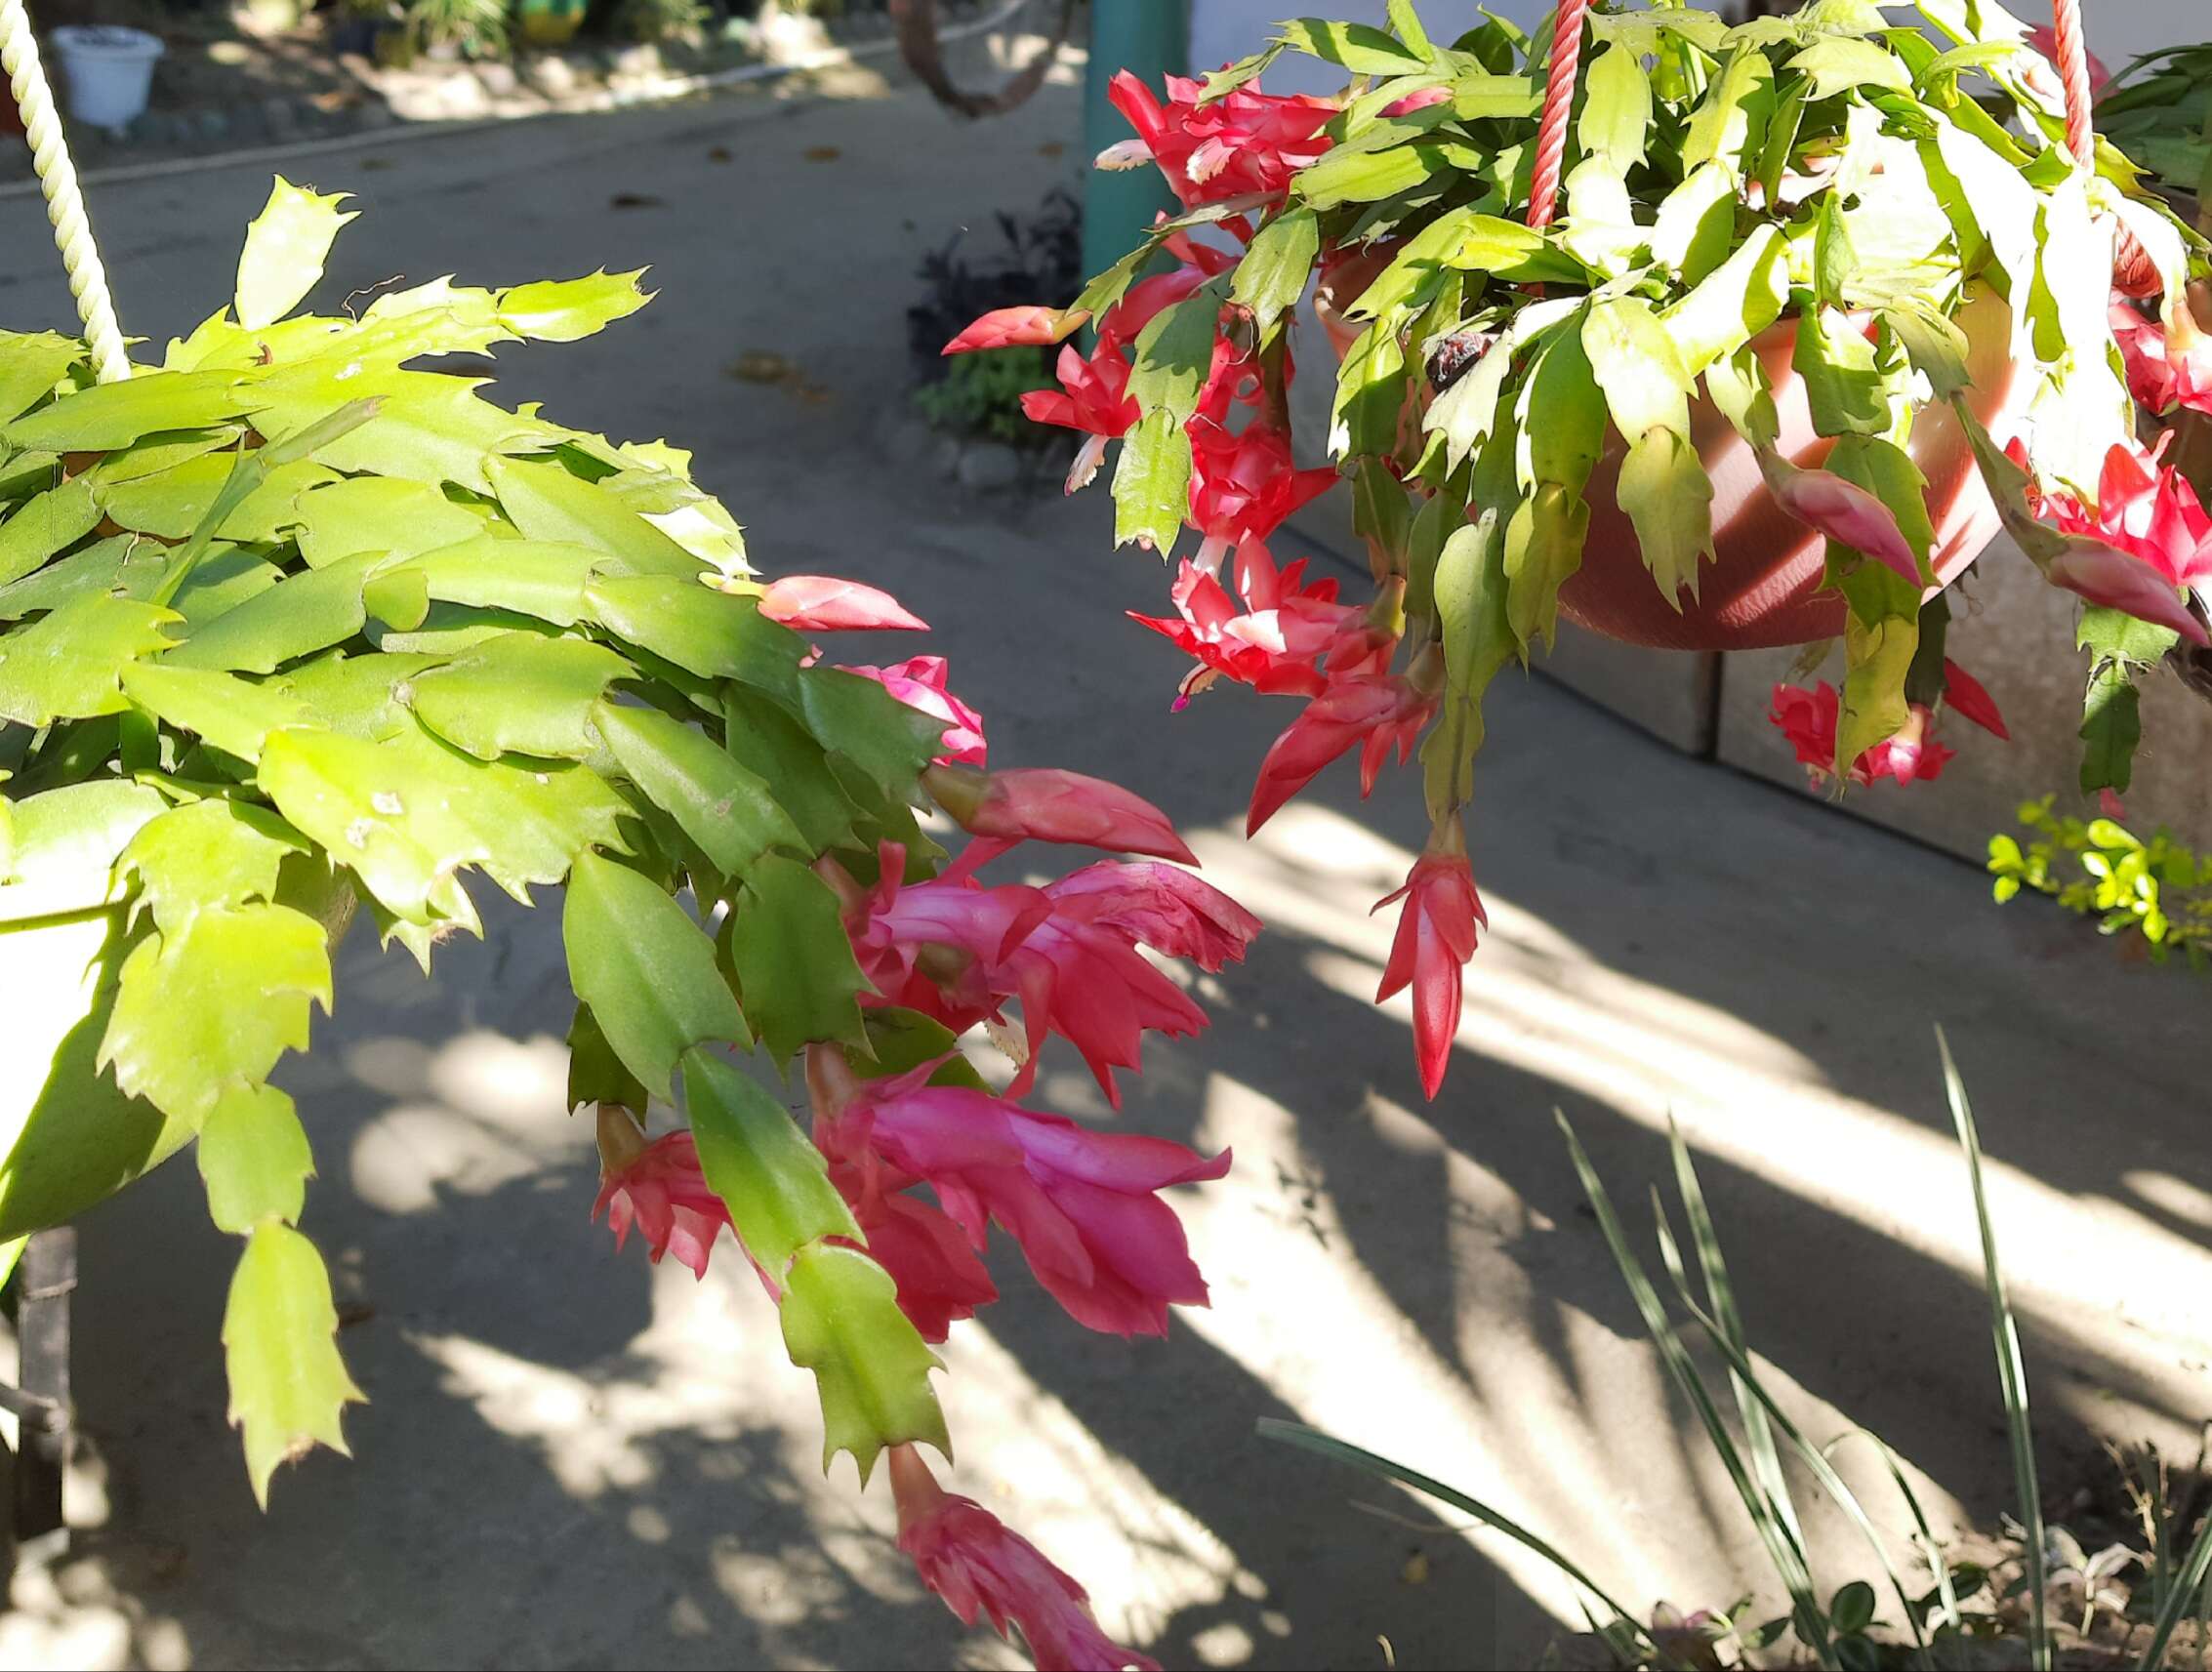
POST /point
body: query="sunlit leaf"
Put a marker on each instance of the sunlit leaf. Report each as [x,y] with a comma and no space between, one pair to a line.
[842,1321]
[288,1385]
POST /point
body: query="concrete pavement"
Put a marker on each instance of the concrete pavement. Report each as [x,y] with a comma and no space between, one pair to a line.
[570,1460]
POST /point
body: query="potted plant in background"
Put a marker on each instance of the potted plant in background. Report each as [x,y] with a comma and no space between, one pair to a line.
[1700,335]
[108,70]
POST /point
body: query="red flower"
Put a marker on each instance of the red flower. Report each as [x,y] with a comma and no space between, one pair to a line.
[1965,696]
[822,603]
[1083,1205]
[659,1188]
[1808,719]
[1376,711]
[1149,298]
[1017,328]
[1243,485]
[1276,642]
[1092,397]
[940,1279]
[1436,934]
[1247,143]
[920,683]
[979,1565]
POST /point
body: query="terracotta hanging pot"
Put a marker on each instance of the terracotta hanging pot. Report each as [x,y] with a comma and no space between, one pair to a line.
[1763,587]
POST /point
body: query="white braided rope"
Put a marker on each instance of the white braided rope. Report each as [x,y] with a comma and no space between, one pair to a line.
[64,202]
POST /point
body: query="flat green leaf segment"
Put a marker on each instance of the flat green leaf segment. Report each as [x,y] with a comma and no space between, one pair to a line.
[842,1321]
[300,622]
[1834,217]
[288,1386]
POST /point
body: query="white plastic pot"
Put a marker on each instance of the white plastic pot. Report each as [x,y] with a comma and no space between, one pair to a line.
[110,71]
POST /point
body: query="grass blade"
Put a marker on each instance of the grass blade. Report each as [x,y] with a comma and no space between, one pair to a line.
[1758,1438]
[1746,1377]
[2011,1370]
[1924,1536]
[1786,1554]
[2179,1598]
[1328,1446]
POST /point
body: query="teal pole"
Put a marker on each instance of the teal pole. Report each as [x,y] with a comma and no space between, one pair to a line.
[1151,38]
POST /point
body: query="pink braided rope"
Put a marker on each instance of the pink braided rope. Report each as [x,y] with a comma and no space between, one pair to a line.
[1558,102]
[2074,71]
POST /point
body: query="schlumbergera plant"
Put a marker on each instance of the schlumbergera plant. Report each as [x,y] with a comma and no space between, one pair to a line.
[289,626]
[1706,336]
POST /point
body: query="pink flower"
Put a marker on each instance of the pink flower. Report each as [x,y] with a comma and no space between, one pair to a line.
[1245,143]
[2163,374]
[1437,933]
[1083,1205]
[959,950]
[1017,327]
[1275,644]
[2148,537]
[2111,805]
[1041,803]
[920,683]
[1965,696]
[822,603]
[1161,906]
[1844,511]
[1376,711]
[979,1565]
[940,1279]
[1092,397]
[1808,719]
[1243,485]
[659,1188]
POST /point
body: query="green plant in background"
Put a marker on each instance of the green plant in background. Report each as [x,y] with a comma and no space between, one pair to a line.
[2160,109]
[660,21]
[1931,1625]
[472,28]
[980,394]
[2159,889]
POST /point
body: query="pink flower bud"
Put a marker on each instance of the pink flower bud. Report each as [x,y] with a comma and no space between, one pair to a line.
[1017,327]
[822,603]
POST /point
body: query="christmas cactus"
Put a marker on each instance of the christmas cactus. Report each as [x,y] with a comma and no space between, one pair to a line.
[293,625]
[1705,336]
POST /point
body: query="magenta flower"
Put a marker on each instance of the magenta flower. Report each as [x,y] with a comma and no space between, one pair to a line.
[1042,803]
[822,603]
[1808,719]
[980,1566]
[657,1187]
[1436,934]
[1274,643]
[1243,485]
[1083,1205]
[1375,712]
[1028,327]
[920,683]
[1244,145]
